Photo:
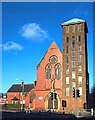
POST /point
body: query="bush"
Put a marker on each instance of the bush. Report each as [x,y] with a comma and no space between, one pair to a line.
[12,106]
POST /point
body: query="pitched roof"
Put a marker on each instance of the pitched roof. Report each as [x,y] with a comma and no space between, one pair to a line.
[53,46]
[18,88]
[72,21]
[15,98]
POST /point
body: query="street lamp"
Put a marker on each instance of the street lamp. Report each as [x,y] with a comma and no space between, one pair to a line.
[53,92]
[22,103]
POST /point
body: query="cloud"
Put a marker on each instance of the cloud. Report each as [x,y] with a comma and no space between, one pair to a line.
[11,46]
[33,31]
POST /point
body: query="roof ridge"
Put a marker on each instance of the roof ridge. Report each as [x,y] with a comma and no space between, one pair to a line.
[24,84]
[18,88]
[72,21]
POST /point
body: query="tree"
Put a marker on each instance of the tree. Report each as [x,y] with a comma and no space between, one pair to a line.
[32,96]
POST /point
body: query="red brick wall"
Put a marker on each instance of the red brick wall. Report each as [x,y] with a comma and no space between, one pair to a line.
[43,86]
[11,95]
[27,98]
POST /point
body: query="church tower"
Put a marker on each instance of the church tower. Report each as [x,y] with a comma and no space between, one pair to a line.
[75,69]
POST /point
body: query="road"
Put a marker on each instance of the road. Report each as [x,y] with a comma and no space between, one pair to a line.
[41,116]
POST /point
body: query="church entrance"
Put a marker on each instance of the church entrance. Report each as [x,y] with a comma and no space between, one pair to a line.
[50,103]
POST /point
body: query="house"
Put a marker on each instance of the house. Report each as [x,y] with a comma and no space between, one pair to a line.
[17,95]
[3,98]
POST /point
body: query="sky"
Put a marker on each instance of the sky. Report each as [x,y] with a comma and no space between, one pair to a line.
[28,29]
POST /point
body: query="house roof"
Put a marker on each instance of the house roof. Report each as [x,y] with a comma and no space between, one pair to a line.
[72,21]
[15,98]
[18,88]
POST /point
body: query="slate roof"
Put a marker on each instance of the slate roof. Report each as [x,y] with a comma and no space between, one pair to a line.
[72,21]
[18,88]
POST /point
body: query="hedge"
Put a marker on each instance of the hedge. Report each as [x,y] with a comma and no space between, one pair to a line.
[12,106]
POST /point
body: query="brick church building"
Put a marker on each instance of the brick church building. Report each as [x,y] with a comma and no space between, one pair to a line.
[49,80]
[59,73]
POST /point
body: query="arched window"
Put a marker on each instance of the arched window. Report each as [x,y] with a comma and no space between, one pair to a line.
[57,72]
[48,72]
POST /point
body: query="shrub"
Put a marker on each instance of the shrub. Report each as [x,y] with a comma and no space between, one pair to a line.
[11,106]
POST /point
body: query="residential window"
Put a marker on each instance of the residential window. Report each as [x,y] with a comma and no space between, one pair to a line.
[73,64]
[79,27]
[79,79]
[79,58]
[79,38]
[73,74]
[67,69]
[67,29]
[73,53]
[67,39]
[79,48]
[15,102]
[73,28]
[67,91]
[73,85]
[80,91]
[48,72]
[79,69]
[67,80]
[67,49]
[57,72]
[67,58]
[73,44]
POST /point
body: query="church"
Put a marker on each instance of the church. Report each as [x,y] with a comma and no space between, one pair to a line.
[49,80]
[60,74]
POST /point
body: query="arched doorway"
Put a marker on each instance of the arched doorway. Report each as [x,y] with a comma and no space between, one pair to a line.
[49,103]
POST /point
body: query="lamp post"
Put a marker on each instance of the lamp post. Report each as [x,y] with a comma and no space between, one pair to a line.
[22,95]
[53,90]
[22,104]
